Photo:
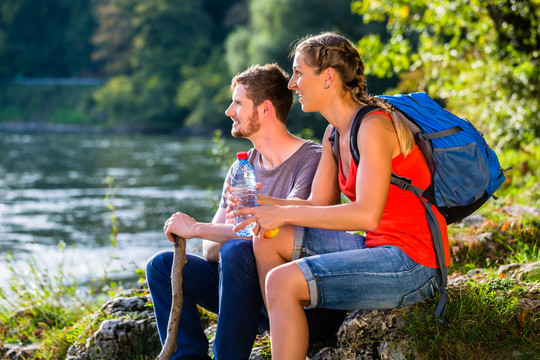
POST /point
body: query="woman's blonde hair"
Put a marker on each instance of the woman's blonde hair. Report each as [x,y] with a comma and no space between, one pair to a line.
[331,50]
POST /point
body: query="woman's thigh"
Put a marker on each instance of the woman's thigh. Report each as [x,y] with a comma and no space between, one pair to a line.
[311,241]
[367,278]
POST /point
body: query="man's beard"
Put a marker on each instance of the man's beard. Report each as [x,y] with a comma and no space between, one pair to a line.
[253,125]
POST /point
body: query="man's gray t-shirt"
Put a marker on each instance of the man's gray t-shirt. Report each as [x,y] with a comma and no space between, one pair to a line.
[291,179]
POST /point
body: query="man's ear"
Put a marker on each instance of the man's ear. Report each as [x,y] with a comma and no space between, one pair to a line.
[267,107]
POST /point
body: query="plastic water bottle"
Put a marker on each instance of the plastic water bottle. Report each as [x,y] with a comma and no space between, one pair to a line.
[245,189]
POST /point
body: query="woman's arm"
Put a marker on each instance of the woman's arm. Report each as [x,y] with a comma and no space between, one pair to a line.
[377,146]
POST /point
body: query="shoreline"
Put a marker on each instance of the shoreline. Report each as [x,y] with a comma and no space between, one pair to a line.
[49,128]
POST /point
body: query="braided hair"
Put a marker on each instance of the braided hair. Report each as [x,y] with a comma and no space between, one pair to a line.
[332,50]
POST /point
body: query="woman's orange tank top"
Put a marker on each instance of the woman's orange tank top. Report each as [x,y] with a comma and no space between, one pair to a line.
[403,223]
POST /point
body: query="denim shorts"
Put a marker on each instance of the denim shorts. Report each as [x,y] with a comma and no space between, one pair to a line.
[342,273]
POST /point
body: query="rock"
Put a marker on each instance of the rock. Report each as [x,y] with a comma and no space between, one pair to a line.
[366,334]
[529,272]
[475,272]
[473,220]
[123,305]
[17,352]
[518,210]
[483,237]
[535,289]
[506,269]
[129,331]
[256,354]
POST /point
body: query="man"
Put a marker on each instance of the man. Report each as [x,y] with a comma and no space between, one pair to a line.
[225,281]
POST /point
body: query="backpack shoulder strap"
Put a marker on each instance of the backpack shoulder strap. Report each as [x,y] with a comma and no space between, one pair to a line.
[334,140]
[357,120]
[436,235]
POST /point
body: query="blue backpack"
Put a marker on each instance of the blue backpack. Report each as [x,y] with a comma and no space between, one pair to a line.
[465,171]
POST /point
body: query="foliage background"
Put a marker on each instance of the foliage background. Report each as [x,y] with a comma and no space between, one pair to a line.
[166,64]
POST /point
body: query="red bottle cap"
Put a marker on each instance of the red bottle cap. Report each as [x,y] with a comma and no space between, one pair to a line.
[242,155]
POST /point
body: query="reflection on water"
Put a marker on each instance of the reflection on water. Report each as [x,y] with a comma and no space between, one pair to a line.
[53,187]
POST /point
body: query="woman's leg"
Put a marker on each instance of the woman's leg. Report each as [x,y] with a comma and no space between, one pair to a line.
[383,277]
[271,253]
[286,294]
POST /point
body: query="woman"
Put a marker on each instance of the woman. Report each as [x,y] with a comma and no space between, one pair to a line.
[313,261]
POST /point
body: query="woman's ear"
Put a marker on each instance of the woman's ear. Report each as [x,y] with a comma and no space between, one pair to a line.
[329,76]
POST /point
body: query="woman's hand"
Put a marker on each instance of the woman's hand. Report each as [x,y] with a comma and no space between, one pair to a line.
[265,217]
[181,225]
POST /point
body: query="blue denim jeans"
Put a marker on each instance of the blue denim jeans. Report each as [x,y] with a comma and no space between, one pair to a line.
[229,288]
[342,273]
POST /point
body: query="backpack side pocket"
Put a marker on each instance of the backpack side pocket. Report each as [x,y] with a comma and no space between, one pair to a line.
[461,175]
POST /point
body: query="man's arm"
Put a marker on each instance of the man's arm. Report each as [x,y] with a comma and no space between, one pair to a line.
[215,233]
[211,248]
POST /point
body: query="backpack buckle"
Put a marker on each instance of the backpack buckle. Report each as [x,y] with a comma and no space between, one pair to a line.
[401,182]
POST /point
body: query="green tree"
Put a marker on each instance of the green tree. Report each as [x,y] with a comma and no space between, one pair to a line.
[166,58]
[482,57]
[275,24]
[273,28]
[45,38]
[113,38]
[205,93]
[160,38]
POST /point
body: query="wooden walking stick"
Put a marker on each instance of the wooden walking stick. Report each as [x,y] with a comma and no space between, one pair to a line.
[179,260]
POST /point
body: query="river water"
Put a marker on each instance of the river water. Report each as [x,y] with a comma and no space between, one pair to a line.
[53,191]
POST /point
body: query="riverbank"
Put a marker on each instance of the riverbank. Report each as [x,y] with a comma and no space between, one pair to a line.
[70,106]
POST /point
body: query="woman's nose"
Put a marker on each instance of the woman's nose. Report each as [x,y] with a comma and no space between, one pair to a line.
[292,83]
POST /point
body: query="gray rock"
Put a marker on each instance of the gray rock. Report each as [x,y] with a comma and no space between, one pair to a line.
[506,269]
[256,354]
[484,237]
[366,334]
[535,289]
[132,333]
[529,272]
[18,352]
[518,210]
[126,305]
[473,220]
[474,272]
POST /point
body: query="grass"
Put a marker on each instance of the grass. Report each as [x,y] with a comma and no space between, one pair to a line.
[37,304]
[486,323]
[488,320]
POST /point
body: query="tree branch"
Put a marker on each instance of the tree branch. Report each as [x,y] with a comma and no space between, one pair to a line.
[169,347]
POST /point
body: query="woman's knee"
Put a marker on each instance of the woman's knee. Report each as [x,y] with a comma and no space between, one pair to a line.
[286,283]
[259,247]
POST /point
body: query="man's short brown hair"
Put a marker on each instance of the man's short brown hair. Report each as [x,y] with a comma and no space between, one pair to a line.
[267,82]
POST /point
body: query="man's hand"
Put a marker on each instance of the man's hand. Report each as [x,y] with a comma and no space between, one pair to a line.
[181,225]
[232,201]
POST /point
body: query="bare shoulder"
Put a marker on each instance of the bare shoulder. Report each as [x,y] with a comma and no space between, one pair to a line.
[377,131]
[377,121]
